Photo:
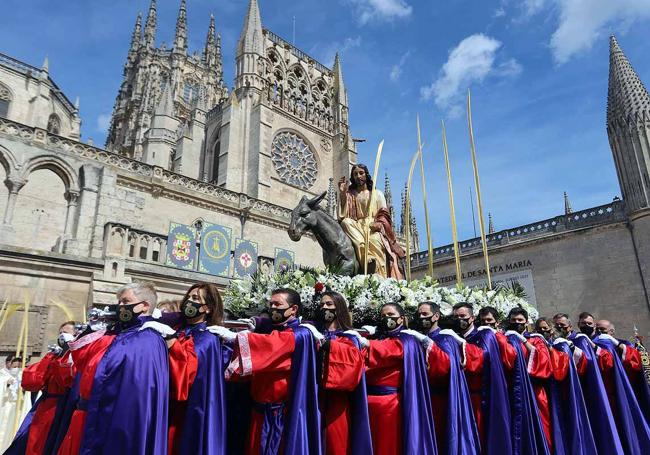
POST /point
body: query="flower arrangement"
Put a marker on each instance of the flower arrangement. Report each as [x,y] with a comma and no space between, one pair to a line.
[365,293]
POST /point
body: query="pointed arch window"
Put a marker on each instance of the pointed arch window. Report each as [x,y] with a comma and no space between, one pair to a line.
[54,124]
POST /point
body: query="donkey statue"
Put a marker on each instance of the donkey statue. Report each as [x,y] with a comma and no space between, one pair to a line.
[338,252]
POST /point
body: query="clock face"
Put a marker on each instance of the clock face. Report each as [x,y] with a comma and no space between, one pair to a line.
[294,160]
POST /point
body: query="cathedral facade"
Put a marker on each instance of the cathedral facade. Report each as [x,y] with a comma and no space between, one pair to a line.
[79,220]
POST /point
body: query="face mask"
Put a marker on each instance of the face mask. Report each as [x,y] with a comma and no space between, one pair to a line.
[326,315]
[490,324]
[63,340]
[519,327]
[14,371]
[389,323]
[278,315]
[601,331]
[425,324]
[126,314]
[190,309]
[587,330]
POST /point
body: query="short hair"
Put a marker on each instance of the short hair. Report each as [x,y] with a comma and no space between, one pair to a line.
[488,310]
[400,310]
[293,298]
[435,308]
[9,358]
[72,323]
[144,290]
[467,305]
[561,315]
[518,312]
[584,315]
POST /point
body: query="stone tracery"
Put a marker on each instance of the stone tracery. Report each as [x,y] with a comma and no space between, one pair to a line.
[293,159]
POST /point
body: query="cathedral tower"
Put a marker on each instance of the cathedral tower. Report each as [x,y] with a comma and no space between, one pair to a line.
[628,128]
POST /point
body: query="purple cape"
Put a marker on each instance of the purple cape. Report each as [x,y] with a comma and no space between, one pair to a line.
[571,428]
[600,413]
[204,428]
[418,432]
[462,434]
[632,426]
[527,432]
[127,408]
[360,425]
[495,403]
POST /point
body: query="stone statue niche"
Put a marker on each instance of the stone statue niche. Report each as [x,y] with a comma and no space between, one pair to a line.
[338,252]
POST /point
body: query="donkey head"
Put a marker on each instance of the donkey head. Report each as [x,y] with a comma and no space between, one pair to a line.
[304,216]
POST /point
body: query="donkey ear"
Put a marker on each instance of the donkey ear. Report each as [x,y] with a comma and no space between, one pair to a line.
[313,203]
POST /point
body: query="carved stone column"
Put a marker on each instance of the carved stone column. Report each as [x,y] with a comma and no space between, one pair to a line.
[14,185]
[73,200]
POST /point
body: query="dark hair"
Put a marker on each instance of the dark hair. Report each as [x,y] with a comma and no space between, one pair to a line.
[212,299]
[9,358]
[72,323]
[435,308]
[368,177]
[343,316]
[560,315]
[518,311]
[293,298]
[544,319]
[460,305]
[585,315]
[488,310]
[400,310]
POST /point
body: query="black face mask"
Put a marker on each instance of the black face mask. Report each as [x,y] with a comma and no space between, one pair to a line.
[587,330]
[547,334]
[489,324]
[326,315]
[278,315]
[424,324]
[389,323]
[519,327]
[601,331]
[190,309]
[126,314]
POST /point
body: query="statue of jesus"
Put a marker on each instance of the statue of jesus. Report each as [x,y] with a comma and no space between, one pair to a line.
[355,216]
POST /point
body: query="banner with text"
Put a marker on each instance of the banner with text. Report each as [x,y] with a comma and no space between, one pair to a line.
[214,257]
[245,257]
[284,260]
[181,246]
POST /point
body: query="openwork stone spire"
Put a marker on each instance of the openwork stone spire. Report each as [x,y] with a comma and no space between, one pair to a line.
[210,51]
[250,40]
[567,205]
[628,129]
[180,39]
[491,224]
[136,37]
[150,26]
[339,85]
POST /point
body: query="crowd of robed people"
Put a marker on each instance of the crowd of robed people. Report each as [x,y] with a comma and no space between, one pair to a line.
[178,381]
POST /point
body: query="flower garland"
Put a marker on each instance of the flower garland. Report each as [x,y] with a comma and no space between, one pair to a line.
[365,294]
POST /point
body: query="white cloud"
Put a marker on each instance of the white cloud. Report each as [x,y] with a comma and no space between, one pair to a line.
[103,122]
[582,22]
[381,10]
[325,53]
[499,12]
[532,7]
[471,61]
[396,70]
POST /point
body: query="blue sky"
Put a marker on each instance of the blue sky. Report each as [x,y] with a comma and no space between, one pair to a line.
[537,70]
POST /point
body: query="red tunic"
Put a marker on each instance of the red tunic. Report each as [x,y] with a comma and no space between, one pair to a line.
[53,375]
[438,372]
[342,371]
[540,369]
[86,353]
[385,364]
[183,365]
[474,374]
[266,360]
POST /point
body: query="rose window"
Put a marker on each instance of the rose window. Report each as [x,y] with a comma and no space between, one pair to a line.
[293,160]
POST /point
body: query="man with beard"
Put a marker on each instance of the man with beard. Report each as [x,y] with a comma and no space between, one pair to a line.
[281,366]
[531,416]
[487,384]
[448,356]
[358,217]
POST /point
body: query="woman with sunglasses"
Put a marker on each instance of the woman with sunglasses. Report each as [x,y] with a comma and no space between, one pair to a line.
[197,405]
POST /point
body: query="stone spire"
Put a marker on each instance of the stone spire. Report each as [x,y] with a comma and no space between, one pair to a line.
[150,26]
[389,197]
[250,40]
[491,224]
[180,39]
[567,205]
[340,93]
[166,104]
[628,128]
[136,37]
[219,57]
[210,51]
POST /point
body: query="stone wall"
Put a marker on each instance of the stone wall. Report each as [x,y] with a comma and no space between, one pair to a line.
[591,269]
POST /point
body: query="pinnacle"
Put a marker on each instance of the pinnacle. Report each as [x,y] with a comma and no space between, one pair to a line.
[250,40]
[627,97]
